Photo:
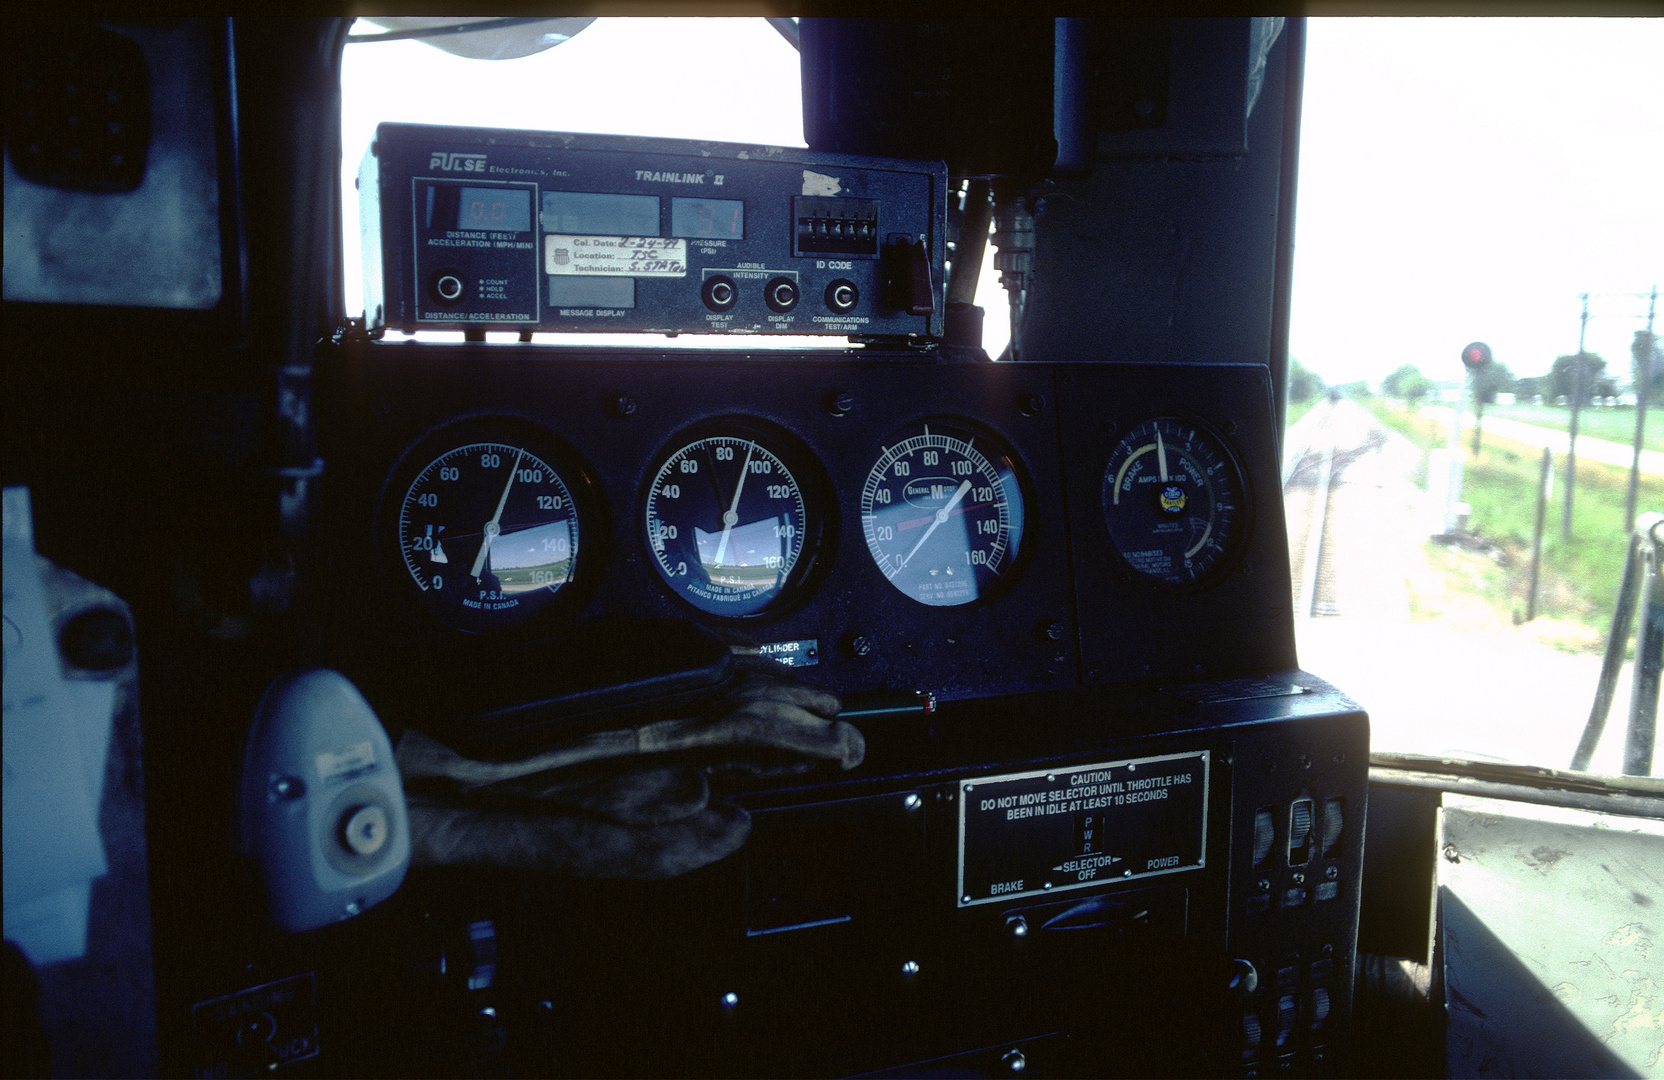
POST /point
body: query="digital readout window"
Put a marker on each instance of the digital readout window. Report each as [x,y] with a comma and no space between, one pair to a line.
[500,209]
[701,218]
[582,213]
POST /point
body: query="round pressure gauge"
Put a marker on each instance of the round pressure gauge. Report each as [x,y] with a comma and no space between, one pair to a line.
[1174,501]
[943,513]
[733,517]
[488,523]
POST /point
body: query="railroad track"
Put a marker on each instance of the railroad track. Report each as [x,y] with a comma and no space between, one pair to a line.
[1318,450]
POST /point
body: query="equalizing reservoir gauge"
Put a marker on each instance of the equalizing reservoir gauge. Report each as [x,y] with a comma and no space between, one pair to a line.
[733,518]
[1173,501]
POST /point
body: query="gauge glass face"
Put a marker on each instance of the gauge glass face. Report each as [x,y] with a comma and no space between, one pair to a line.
[943,514]
[488,533]
[728,524]
[1173,501]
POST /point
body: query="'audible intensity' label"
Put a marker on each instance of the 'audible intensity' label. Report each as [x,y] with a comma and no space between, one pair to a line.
[1038,833]
[615,256]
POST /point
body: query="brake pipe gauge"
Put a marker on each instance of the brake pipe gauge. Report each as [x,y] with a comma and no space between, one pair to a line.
[733,518]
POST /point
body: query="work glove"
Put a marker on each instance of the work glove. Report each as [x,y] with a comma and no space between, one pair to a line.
[632,802]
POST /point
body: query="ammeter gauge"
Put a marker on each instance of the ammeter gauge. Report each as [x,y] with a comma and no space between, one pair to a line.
[487,521]
[1173,501]
[943,514]
[733,518]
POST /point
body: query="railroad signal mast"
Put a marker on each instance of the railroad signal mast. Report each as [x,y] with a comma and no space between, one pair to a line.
[1476,356]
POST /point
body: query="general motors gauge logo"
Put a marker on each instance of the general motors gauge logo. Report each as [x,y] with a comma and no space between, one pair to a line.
[470,163]
[1172,499]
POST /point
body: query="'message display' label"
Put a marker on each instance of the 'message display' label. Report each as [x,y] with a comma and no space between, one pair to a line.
[1045,832]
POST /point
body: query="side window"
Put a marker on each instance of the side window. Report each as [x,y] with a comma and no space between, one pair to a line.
[1485,183]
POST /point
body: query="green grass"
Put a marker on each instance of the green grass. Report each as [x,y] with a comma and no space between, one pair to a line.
[1616,425]
[1579,578]
[1297,409]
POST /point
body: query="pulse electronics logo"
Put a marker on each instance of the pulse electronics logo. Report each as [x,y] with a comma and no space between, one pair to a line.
[474,163]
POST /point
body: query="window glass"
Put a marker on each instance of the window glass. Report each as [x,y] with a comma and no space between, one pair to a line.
[1468,181]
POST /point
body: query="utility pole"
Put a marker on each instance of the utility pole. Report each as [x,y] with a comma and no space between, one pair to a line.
[1578,367]
[1643,383]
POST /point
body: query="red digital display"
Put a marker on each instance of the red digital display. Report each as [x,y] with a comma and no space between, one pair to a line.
[497,209]
[701,218]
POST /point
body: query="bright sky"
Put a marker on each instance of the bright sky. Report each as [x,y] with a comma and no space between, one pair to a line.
[1460,179]
[1466,179]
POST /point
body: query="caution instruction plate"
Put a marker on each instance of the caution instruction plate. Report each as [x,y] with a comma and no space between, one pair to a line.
[1039,833]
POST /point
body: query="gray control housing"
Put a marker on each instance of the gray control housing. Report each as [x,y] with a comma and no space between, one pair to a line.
[323,811]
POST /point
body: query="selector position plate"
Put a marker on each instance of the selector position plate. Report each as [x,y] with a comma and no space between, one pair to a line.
[1040,833]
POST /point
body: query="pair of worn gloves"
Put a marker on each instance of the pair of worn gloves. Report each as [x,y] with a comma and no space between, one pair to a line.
[633,802]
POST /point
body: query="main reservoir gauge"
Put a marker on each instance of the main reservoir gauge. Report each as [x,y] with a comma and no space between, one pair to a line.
[733,517]
[1173,501]
[943,513]
[487,523]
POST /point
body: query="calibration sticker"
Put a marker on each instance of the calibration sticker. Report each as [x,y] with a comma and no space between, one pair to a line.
[1038,833]
[615,256]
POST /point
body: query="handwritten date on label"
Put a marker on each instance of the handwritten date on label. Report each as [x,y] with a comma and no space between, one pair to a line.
[615,256]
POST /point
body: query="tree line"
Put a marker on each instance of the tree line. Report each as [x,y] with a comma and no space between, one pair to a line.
[1558,386]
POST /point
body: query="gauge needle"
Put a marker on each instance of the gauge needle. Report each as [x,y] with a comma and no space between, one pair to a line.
[492,528]
[732,517]
[941,516]
[1161,455]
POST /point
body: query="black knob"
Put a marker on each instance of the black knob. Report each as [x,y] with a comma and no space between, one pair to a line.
[781,294]
[97,639]
[842,296]
[448,287]
[719,293]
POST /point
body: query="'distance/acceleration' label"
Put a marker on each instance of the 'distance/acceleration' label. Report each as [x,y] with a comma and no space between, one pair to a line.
[1032,833]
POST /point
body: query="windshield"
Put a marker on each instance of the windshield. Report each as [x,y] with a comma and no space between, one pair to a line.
[1472,182]
[1462,181]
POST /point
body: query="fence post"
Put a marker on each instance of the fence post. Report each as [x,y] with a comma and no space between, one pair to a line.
[1544,481]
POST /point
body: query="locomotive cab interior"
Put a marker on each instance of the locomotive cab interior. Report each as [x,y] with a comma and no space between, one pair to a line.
[650,634]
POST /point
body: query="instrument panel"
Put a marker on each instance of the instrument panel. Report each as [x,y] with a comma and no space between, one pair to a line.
[889,521]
